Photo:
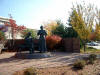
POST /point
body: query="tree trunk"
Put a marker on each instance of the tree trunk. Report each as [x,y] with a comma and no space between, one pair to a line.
[84,47]
[12,41]
[84,42]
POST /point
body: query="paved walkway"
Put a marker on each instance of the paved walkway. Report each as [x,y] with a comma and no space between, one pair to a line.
[9,64]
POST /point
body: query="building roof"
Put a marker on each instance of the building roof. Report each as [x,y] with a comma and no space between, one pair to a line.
[4,19]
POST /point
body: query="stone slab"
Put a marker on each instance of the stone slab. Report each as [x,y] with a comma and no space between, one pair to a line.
[26,55]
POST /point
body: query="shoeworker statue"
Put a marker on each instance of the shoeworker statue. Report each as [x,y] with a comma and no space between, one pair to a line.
[42,42]
[29,43]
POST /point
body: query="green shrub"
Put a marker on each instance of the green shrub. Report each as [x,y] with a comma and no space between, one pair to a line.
[91,48]
[33,33]
[79,64]
[2,36]
[30,71]
[92,58]
[91,61]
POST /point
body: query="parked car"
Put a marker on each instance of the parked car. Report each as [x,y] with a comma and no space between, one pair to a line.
[92,44]
[98,42]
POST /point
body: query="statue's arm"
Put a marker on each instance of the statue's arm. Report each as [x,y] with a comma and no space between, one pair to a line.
[38,33]
[26,37]
[45,33]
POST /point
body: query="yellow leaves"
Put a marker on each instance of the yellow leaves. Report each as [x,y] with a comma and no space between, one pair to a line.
[79,25]
[50,26]
[97,31]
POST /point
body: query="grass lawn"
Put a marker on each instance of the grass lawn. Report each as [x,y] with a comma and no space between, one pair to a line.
[90,50]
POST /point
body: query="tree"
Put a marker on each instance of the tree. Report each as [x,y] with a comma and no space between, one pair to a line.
[63,31]
[59,29]
[14,29]
[71,33]
[2,36]
[80,26]
[50,26]
[82,20]
[3,29]
[97,20]
[97,32]
[93,36]
[33,33]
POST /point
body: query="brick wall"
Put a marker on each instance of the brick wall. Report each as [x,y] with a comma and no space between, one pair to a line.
[71,44]
[18,42]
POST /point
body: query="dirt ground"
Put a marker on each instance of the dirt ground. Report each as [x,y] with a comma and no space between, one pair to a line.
[68,70]
[9,64]
[55,65]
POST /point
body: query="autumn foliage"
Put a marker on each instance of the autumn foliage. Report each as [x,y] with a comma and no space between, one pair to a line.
[97,31]
[14,30]
[50,26]
[92,36]
[52,41]
[14,27]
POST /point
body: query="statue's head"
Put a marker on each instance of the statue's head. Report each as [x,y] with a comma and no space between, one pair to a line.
[29,34]
[41,27]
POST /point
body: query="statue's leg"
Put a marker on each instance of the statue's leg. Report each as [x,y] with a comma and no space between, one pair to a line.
[44,46]
[40,49]
[32,50]
[40,46]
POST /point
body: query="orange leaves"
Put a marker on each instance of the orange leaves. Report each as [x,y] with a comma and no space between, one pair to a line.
[92,36]
[19,28]
[12,23]
[6,24]
[53,40]
[14,27]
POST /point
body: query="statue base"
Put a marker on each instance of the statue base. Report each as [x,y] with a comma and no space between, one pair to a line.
[26,55]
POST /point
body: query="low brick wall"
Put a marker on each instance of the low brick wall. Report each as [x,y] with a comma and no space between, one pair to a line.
[18,42]
[69,44]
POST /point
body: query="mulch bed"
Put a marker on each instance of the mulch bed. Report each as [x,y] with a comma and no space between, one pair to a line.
[68,70]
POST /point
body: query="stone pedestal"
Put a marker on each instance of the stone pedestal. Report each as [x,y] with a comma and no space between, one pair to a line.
[26,55]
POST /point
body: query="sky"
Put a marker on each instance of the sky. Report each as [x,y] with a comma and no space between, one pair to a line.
[33,13]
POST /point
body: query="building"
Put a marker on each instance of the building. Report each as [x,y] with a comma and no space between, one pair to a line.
[7,29]
[3,20]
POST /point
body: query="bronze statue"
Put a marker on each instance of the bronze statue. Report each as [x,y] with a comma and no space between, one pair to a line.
[42,42]
[29,43]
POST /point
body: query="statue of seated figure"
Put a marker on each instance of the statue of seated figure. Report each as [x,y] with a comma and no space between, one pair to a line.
[28,43]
